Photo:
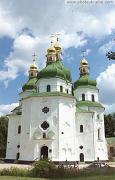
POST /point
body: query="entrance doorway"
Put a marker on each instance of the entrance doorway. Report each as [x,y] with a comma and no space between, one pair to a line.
[81,157]
[44,152]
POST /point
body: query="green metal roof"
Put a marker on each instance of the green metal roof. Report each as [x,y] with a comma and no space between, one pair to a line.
[88,86]
[85,80]
[55,69]
[46,94]
[89,104]
[31,84]
[79,110]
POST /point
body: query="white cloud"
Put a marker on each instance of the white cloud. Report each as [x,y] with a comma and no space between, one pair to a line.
[72,40]
[23,47]
[106,86]
[43,20]
[21,56]
[6,109]
[94,21]
[88,51]
[107,47]
[9,25]
[109,108]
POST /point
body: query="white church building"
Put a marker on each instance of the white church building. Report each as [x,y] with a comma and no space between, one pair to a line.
[57,119]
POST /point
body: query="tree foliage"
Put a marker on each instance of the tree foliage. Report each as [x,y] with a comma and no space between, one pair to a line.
[109,125]
[3,135]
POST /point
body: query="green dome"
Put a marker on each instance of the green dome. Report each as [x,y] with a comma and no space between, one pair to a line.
[55,69]
[85,80]
[31,84]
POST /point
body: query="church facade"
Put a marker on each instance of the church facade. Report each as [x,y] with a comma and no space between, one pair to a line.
[57,119]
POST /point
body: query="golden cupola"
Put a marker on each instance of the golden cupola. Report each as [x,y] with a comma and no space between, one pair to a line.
[84,67]
[33,71]
[57,45]
[51,49]
[51,54]
[58,49]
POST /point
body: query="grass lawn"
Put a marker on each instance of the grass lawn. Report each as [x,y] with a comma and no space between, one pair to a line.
[78,178]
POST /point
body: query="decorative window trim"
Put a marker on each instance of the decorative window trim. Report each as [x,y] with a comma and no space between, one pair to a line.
[45,110]
[81,147]
[45,125]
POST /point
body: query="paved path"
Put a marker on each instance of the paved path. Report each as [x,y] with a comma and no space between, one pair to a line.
[4,165]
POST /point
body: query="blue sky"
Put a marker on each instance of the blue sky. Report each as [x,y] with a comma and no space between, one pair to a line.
[26,27]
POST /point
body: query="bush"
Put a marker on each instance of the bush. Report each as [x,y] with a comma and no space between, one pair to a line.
[43,168]
[14,171]
[47,169]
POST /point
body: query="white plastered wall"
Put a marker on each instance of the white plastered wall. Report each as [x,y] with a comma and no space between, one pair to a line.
[13,138]
[55,84]
[88,92]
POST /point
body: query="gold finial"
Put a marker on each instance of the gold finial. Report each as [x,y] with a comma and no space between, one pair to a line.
[83,61]
[33,65]
[51,49]
[34,56]
[57,44]
[57,36]
[83,53]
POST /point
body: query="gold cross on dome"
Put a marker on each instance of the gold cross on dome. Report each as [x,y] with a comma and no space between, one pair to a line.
[34,55]
[83,53]
[52,39]
[57,35]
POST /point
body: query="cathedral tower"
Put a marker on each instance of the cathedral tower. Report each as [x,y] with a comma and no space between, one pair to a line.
[89,117]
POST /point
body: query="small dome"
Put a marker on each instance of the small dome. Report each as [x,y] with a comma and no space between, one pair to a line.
[33,66]
[83,62]
[57,46]
[55,69]
[51,50]
[30,85]
[85,80]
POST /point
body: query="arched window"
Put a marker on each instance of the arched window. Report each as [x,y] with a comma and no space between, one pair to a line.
[44,135]
[99,134]
[81,157]
[19,129]
[83,70]
[31,73]
[48,88]
[61,88]
[97,116]
[81,128]
[93,98]
[38,89]
[72,91]
[83,97]
[17,155]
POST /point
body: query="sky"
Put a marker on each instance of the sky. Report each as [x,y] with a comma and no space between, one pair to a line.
[26,27]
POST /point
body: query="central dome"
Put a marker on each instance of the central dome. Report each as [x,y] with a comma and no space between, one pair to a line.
[55,69]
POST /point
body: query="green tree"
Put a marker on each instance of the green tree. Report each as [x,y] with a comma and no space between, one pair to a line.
[3,135]
[109,125]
